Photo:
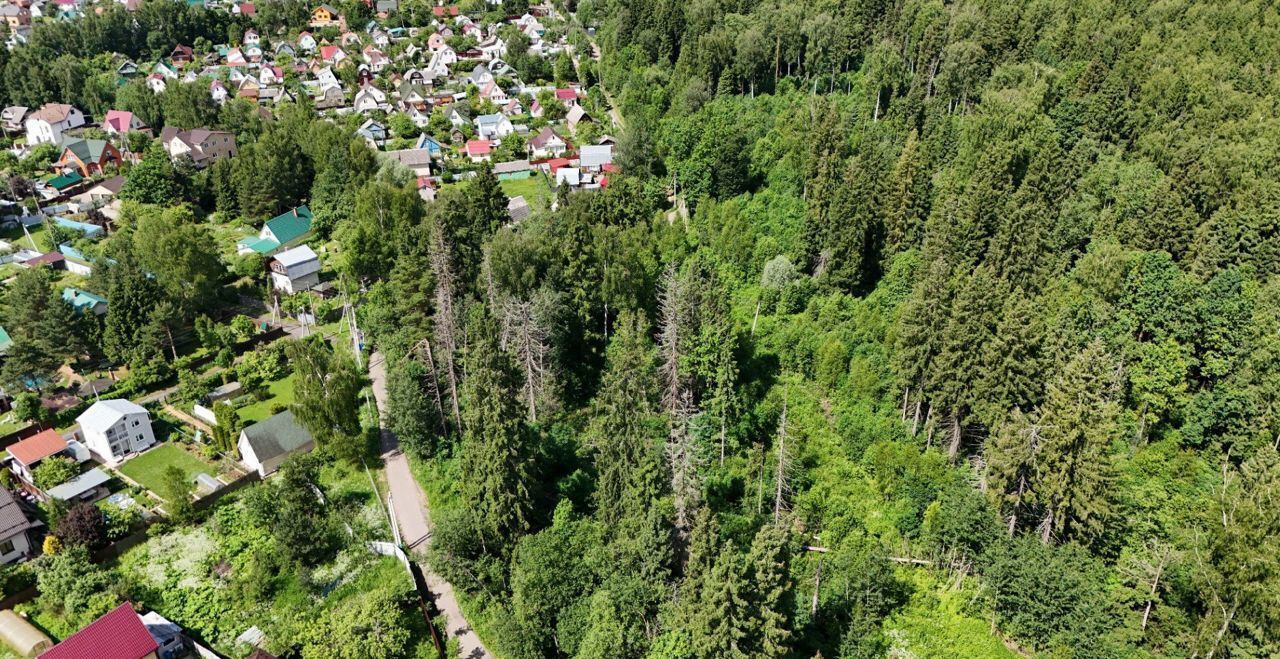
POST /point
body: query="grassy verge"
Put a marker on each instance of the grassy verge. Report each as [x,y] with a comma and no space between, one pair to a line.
[281,396]
[482,613]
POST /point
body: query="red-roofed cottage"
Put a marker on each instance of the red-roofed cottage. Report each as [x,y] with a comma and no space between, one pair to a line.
[119,122]
[479,150]
[117,635]
[29,452]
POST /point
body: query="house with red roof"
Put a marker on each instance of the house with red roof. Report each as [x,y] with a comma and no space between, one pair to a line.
[29,453]
[441,12]
[568,96]
[245,9]
[119,634]
[332,54]
[479,150]
[119,122]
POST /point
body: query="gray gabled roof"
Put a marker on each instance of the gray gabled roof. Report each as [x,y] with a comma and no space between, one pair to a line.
[12,519]
[295,256]
[276,435]
[106,412]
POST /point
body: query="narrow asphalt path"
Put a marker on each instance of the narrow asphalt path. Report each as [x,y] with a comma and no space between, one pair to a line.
[409,504]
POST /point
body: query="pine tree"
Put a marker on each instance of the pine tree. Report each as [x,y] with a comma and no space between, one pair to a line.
[1012,363]
[1010,461]
[496,449]
[971,322]
[133,296]
[487,203]
[918,335]
[46,331]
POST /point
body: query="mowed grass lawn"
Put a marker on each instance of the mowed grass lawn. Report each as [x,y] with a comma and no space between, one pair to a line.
[149,467]
[534,189]
[281,395]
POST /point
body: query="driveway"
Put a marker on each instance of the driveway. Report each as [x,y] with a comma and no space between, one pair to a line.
[409,504]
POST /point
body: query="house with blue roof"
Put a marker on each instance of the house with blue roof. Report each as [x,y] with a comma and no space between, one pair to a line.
[278,232]
[84,302]
[433,146]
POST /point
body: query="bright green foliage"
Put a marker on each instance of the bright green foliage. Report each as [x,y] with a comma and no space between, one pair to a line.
[174,249]
[372,625]
[176,489]
[73,587]
[327,396]
[54,471]
[153,180]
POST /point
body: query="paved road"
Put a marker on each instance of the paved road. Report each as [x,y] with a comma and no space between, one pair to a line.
[409,505]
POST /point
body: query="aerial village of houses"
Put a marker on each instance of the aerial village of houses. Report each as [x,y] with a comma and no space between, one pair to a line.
[445,79]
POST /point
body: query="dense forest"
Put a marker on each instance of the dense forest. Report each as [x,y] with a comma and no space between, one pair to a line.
[967,342]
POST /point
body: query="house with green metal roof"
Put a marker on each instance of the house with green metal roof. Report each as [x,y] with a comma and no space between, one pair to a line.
[64,181]
[6,341]
[88,156]
[84,302]
[278,232]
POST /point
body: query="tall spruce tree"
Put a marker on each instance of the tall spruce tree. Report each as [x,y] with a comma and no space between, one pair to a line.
[771,594]
[1073,466]
[627,431]
[496,444]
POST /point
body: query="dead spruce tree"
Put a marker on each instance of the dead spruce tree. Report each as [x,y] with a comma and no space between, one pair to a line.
[526,335]
[445,325]
[677,399]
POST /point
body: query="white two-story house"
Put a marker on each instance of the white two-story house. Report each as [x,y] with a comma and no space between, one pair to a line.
[46,125]
[116,428]
[295,270]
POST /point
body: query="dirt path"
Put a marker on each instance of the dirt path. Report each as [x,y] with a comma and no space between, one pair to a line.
[409,503]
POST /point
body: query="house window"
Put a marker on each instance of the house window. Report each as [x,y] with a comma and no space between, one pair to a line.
[137,437]
[6,547]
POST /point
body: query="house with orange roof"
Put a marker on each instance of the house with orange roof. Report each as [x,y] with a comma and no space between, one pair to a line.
[27,454]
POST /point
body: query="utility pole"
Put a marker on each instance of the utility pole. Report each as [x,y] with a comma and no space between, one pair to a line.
[355,329]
